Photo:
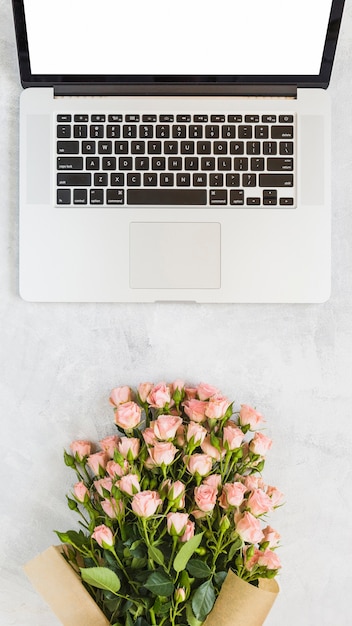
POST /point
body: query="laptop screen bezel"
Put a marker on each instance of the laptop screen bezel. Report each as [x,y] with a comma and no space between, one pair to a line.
[201,84]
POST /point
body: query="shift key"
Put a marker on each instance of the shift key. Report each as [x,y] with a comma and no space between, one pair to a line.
[73,180]
[275,180]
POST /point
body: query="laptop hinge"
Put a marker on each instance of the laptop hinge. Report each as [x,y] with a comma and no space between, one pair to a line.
[170,89]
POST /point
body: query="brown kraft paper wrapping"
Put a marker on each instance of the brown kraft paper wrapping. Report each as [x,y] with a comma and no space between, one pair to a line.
[242,604]
[63,590]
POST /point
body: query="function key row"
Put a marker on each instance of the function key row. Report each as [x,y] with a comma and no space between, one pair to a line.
[180,118]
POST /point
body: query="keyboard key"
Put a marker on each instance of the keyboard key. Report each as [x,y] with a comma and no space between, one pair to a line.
[200,118]
[282,132]
[236,197]
[212,132]
[96,132]
[270,197]
[100,117]
[220,147]
[133,180]
[232,180]
[286,201]
[203,147]
[257,164]
[183,118]
[109,163]
[200,179]
[277,165]
[88,147]
[275,180]
[66,117]
[92,163]
[253,147]
[100,180]
[129,131]
[269,119]
[191,163]
[183,180]
[117,179]
[104,147]
[187,147]
[236,147]
[80,196]
[96,196]
[261,132]
[149,118]
[63,196]
[252,119]
[249,180]
[240,163]
[166,118]
[154,147]
[141,163]
[167,196]
[217,118]
[69,163]
[166,180]
[146,131]
[125,163]
[216,180]
[228,132]
[68,147]
[196,131]
[171,147]
[162,131]
[113,131]
[270,147]
[73,180]
[115,118]
[132,118]
[286,147]
[218,196]
[224,163]
[285,119]
[121,147]
[174,163]
[63,131]
[232,119]
[115,196]
[137,147]
[207,163]
[253,201]
[80,118]
[245,132]
[150,180]
[179,132]
[158,163]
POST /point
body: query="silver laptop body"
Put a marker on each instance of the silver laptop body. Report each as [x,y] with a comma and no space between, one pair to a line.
[175,186]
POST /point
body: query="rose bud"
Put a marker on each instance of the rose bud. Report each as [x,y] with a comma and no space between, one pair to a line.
[165,427]
[103,536]
[144,390]
[129,447]
[176,523]
[128,415]
[205,391]
[97,462]
[250,417]
[120,395]
[81,492]
[146,503]
[199,463]
[249,529]
[129,484]
[81,449]
[109,445]
[260,444]
[159,396]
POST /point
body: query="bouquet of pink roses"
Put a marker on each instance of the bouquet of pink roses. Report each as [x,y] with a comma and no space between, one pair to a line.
[170,505]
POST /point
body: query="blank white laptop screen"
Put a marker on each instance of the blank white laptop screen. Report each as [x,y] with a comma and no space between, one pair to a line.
[181,37]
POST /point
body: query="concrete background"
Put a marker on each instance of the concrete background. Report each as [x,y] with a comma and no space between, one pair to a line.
[294,362]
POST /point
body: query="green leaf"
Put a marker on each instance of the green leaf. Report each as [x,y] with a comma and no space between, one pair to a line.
[156,555]
[191,619]
[219,578]
[101,577]
[160,584]
[77,540]
[185,553]
[203,600]
[198,568]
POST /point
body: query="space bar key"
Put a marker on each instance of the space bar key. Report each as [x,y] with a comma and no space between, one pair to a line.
[167,196]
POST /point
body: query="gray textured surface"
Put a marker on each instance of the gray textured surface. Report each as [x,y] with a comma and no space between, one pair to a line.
[59,362]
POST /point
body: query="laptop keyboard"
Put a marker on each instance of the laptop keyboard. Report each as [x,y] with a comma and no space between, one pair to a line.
[229,160]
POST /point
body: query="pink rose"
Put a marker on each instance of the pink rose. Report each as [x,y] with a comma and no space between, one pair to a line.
[249,529]
[272,536]
[149,436]
[195,409]
[205,497]
[198,514]
[128,415]
[232,436]
[177,385]
[81,492]
[232,495]
[144,390]
[191,393]
[180,595]
[81,449]
[112,508]
[109,445]
[129,447]
[260,444]
[197,432]
[103,483]
[180,436]
[120,395]
[269,559]
[276,496]
[159,396]
[214,481]
[176,523]
[250,562]
[259,502]
[217,407]
[253,482]
[146,503]
[97,462]
[189,532]
[176,490]
[114,469]
[249,416]
[162,452]
[205,391]
[208,448]
[129,484]
[165,427]
[199,464]
[103,536]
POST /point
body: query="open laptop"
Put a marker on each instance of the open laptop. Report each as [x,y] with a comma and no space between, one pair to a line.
[175,151]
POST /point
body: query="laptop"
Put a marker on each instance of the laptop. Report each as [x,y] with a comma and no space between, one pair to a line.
[175,151]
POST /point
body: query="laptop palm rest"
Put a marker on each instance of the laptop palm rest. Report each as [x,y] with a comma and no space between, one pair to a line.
[175,255]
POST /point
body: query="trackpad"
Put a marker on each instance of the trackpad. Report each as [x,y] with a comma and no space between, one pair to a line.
[175,255]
